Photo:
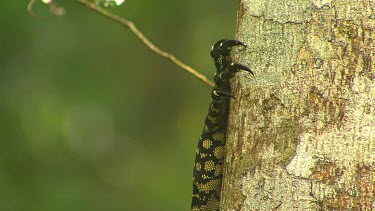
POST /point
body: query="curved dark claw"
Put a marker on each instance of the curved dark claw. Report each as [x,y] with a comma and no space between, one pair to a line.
[223,47]
[237,66]
[207,183]
[231,43]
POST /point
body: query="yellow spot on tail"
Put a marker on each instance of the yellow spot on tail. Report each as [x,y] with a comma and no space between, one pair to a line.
[212,204]
[219,152]
[203,155]
[218,170]
[212,119]
[210,185]
[218,136]
[209,165]
[207,143]
[232,64]
[198,166]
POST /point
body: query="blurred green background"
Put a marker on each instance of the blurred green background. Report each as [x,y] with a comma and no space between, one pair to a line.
[91,119]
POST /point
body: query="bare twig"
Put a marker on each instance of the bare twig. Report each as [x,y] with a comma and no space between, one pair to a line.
[147,42]
[30,7]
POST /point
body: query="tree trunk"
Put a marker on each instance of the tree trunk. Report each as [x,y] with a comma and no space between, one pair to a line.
[301,133]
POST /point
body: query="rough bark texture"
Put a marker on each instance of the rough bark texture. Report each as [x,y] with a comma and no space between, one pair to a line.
[302,131]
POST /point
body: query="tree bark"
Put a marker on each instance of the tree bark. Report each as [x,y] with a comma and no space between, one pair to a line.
[301,133]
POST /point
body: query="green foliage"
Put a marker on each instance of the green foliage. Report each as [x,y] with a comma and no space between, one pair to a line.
[93,120]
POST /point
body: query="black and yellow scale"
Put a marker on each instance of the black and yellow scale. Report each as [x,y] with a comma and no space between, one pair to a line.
[209,159]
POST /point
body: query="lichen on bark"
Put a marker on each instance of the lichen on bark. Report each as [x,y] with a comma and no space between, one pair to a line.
[301,133]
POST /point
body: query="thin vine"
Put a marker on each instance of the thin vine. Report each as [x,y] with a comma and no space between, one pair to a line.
[143,38]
